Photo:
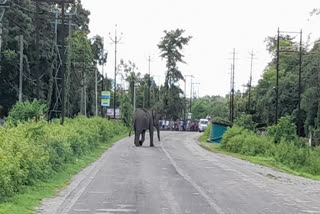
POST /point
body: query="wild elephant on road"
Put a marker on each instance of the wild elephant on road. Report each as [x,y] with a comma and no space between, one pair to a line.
[144,120]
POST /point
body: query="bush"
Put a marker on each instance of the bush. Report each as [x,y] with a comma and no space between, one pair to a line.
[290,150]
[219,120]
[25,111]
[33,151]
[245,121]
[240,140]
[284,129]
[313,161]
[290,155]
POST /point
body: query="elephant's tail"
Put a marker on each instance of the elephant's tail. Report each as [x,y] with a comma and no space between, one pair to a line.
[131,130]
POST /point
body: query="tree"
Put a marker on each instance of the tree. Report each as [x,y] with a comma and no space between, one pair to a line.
[18,20]
[80,78]
[200,109]
[171,46]
[126,110]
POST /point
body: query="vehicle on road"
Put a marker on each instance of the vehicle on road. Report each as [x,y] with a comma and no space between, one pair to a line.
[203,124]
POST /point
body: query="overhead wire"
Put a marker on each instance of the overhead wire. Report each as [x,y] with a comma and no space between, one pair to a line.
[22,28]
[28,10]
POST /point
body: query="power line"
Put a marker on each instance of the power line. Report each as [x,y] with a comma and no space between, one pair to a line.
[28,10]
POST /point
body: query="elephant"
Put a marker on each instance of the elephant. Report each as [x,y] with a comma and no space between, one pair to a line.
[144,119]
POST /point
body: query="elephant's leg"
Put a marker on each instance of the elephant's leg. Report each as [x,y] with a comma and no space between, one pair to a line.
[136,138]
[143,134]
[151,137]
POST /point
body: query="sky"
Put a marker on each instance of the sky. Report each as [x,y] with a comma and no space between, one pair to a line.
[216,27]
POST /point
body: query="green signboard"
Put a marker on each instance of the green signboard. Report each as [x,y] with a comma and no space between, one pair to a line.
[105,98]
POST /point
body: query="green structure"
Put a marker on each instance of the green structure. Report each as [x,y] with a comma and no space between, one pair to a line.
[217,131]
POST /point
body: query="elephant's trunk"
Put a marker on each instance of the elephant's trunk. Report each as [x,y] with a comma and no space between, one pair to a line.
[158,132]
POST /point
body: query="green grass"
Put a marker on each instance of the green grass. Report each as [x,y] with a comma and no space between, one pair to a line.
[31,196]
[264,161]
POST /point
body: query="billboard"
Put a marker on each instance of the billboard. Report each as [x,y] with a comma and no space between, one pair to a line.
[105,98]
[110,112]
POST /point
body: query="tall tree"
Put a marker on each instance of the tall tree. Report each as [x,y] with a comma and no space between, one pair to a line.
[170,47]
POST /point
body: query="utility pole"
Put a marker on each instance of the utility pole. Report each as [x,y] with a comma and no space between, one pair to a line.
[300,87]
[61,94]
[115,41]
[250,83]
[37,66]
[299,78]
[3,6]
[149,83]
[277,77]
[21,69]
[96,88]
[133,88]
[191,92]
[185,95]
[232,86]
[195,83]
[230,103]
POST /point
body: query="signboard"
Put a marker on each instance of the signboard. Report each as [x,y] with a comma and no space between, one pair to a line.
[105,98]
[189,116]
[110,112]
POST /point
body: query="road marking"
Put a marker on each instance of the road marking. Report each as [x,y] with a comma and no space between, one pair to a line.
[116,210]
[196,186]
[81,210]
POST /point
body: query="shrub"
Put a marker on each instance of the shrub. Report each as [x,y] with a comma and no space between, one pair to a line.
[240,140]
[284,129]
[313,161]
[25,111]
[33,151]
[290,155]
[245,121]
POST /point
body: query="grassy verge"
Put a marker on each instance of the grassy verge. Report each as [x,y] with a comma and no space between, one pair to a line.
[264,161]
[25,202]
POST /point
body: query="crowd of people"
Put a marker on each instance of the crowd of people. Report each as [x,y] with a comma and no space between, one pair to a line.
[179,125]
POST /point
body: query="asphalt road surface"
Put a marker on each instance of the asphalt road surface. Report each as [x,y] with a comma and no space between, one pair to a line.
[178,176]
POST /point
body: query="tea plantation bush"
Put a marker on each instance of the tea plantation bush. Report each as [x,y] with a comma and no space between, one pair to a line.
[281,144]
[33,151]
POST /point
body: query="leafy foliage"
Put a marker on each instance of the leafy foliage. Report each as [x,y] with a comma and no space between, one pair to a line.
[214,106]
[245,121]
[126,110]
[33,151]
[284,129]
[25,111]
[170,46]
[289,151]
[240,140]
[20,19]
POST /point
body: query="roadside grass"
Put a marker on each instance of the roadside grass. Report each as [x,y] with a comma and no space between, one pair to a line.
[31,196]
[264,161]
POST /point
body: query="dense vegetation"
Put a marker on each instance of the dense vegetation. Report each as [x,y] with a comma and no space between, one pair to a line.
[84,56]
[32,151]
[262,105]
[281,144]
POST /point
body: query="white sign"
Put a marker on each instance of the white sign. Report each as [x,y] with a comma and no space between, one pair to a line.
[110,112]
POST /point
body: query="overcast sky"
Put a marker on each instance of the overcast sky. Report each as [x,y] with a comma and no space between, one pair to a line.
[216,27]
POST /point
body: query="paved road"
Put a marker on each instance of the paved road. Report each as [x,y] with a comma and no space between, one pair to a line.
[177,176]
